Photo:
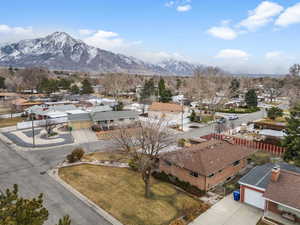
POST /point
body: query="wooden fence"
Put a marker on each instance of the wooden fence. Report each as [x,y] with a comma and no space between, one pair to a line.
[273,149]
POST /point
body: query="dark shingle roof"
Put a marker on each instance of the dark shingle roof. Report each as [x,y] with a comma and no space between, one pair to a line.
[208,157]
[259,176]
[286,190]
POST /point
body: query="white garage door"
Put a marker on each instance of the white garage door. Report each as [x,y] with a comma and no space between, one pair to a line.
[254,198]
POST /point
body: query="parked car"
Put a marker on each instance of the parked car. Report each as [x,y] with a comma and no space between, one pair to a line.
[233,117]
[221,120]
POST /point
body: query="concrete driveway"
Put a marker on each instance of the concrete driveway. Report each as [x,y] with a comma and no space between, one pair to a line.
[229,212]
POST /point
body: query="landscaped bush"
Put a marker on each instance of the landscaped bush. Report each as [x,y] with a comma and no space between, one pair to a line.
[240,110]
[181,142]
[182,184]
[96,128]
[76,155]
[133,164]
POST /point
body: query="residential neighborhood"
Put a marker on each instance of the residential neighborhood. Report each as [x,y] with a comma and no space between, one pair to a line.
[192,120]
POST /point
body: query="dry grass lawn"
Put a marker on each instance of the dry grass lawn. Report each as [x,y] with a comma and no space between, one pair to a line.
[10,121]
[106,135]
[120,192]
[107,156]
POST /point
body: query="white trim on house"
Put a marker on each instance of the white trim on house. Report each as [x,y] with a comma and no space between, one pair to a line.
[282,204]
[252,186]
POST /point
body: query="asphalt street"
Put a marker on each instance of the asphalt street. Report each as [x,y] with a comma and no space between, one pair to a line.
[27,169]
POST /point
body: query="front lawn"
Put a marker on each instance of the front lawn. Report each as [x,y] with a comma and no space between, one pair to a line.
[7,122]
[107,156]
[239,110]
[120,192]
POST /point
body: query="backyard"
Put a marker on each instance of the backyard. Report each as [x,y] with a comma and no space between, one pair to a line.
[10,121]
[120,192]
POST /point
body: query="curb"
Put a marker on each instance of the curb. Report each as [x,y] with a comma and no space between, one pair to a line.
[54,174]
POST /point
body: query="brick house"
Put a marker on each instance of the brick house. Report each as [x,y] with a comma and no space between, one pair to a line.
[207,164]
[274,189]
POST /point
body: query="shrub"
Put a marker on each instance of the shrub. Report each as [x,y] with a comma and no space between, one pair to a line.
[76,155]
[181,142]
[182,184]
[96,127]
[274,112]
[133,164]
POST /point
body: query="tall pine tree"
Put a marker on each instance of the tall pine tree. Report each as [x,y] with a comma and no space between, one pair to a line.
[15,210]
[292,139]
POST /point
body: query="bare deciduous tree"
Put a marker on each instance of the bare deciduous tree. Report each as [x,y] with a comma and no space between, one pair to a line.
[144,146]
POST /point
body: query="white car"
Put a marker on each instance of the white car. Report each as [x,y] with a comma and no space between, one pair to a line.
[233,117]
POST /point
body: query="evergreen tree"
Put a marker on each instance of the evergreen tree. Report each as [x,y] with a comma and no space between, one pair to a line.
[292,139]
[251,98]
[166,96]
[178,83]
[274,112]
[161,87]
[15,210]
[148,89]
[75,89]
[234,87]
[193,116]
[86,87]
[2,83]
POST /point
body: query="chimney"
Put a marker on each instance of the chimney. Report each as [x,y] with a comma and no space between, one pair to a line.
[275,173]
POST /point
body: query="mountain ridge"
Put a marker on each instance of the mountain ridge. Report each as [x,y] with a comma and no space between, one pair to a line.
[61,51]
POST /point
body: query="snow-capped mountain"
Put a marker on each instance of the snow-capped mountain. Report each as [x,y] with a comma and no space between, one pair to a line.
[178,67]
[61,51]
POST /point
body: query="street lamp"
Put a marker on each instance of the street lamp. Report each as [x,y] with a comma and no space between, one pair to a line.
[32,127]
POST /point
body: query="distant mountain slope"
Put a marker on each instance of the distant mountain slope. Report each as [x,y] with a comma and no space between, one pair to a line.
[61,51]
[178,67]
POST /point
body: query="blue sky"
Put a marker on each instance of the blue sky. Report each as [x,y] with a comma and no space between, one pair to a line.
[240,36]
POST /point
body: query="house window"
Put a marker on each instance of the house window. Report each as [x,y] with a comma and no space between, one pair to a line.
[228,178]
[194,174]
[211,175]
[236,163]
[168,163]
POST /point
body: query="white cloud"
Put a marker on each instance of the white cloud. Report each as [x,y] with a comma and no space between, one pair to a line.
[12,34]
[223,32]
[184,8]
[273,55]
[180,5]
[106,40]
[170,4]
[232,54]
[261,15]
[15,30]
[290,16]
[112,41]
[85,32]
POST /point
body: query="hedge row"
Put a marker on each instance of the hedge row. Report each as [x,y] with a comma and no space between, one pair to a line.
[245,110]
[182,184]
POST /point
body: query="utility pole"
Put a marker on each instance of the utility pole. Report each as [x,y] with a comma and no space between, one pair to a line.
[182,114]
[32,127]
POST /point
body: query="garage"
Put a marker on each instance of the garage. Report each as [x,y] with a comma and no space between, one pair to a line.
[254,198]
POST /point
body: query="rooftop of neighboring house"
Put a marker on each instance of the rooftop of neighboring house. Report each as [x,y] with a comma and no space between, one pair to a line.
[113,115]
[100,108]
[79,117]
[165,107]
[285,190]
[260,176]
[208,157]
